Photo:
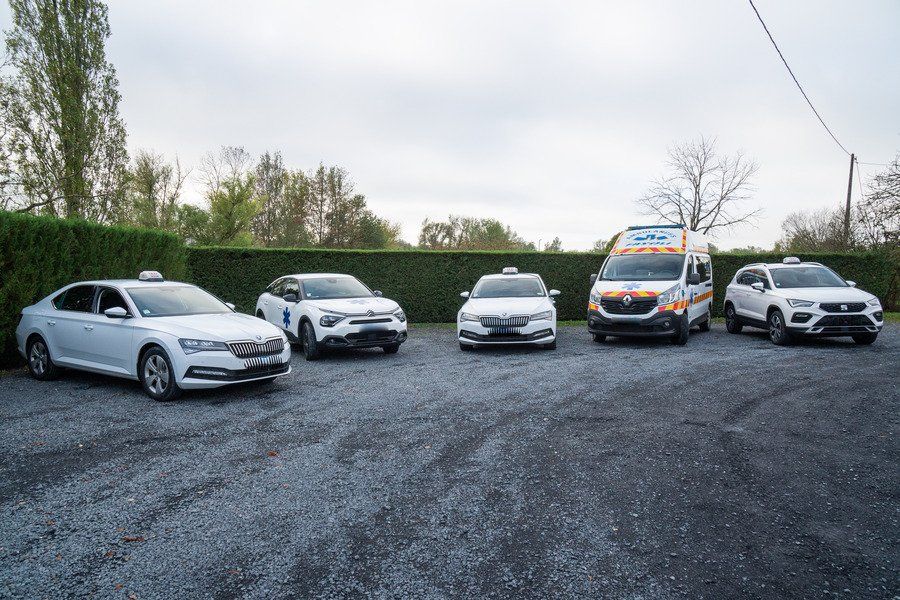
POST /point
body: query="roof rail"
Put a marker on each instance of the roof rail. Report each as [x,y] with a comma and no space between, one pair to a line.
[682,226]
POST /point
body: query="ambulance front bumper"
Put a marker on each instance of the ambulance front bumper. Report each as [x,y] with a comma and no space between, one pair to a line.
[654,324]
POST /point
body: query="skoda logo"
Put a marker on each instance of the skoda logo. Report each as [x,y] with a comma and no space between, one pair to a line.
[503,315]
[371,313]
[627,300]
[258,338]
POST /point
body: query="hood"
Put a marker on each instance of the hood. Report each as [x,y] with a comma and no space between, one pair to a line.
[635,288]
[356,306]
[510,306]
[826,294]
[228,327]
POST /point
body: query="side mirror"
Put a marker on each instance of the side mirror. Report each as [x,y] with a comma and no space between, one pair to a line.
[593,278]
[758,286]
[116,312]
[694,279]
[377,293]
[290,297]
[230,305]
[554,293]
[465,295]
[851,283]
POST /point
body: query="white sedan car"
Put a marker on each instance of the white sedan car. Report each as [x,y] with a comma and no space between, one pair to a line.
[169,336]
[794,298]
[328,310]
[510,308]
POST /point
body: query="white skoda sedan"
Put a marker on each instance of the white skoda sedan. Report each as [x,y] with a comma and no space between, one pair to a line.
[509,308]
[169,336]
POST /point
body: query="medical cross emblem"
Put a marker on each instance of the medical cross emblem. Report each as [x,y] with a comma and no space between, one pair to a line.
[286,317]
[631,286]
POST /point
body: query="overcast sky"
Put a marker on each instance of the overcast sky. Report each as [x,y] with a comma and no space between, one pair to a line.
[550,116]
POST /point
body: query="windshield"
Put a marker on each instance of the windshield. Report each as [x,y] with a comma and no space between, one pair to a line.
[643,267]
[175,301]
[513,287]
[806,277]
[328,288]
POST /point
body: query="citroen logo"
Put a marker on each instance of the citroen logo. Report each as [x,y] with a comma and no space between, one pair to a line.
[627,300]
[371,313]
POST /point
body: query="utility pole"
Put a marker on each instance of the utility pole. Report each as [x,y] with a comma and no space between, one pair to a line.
[847,209]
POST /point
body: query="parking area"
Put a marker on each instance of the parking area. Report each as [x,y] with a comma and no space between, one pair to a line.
[631,469]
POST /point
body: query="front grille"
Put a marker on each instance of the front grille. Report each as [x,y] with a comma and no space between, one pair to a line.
[844,321]
[369,321]
[504,322]
[372,336]
[252,349]
[638,306]
[837,307]
[262,363]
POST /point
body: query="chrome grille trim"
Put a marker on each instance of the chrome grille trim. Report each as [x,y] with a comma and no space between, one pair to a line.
[520,321]
[253,349]
[262,362]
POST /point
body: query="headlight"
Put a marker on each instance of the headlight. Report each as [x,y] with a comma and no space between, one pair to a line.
[192,346]
[669,296]
[401,316]
[874,302]
[799,303]
[542,316]
[596,297]
[330,320]
[468,317]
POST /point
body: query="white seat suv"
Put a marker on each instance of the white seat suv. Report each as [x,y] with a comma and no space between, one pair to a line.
[794,298]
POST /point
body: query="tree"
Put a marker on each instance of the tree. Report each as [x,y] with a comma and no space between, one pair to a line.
[292,213]
[271,177]
[154,191]
[67,136]
[704,191]
[9,188]
[813,231]
[878,215]
[469,233]
[554,246]
[232,208]
[193,225]
[228,163]
[602,246]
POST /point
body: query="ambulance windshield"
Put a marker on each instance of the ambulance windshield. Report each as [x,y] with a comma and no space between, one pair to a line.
[643,267]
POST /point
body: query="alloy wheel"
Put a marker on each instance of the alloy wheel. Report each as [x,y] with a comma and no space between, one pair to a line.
[775,327]
[156,374]
[38,358]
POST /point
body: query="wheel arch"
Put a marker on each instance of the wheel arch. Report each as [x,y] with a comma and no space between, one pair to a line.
[147,345]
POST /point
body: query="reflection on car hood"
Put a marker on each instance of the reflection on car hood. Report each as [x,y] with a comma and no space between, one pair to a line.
[825,294]
[226,327]
[511,306]
[356,306]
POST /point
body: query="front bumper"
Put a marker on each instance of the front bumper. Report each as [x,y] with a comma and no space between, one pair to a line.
[814,322]
[365,332]
[535,332]
[652,324]
[215,369]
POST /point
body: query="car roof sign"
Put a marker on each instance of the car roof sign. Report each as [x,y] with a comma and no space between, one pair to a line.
[791,260]
[510,271]
[150,276]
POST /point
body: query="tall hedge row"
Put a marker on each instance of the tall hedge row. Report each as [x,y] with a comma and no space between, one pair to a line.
[41,254]
[427,284]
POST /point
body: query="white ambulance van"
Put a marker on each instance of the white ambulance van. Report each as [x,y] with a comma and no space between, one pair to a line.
[656,281]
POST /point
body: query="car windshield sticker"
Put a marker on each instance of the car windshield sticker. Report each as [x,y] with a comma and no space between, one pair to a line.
[286,317]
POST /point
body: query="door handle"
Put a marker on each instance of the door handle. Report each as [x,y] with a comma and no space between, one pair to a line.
[89,327]
[707,285]
[266,302]
[51,323]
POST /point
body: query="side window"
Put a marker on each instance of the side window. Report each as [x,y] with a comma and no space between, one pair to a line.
[690,266]
[79,299]
[291,287]
[110,298]
[704,268]
[745,278]
[58,301]
[760,275]
[277,288]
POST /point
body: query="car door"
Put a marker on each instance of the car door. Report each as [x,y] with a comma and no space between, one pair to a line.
[287,310]
[110,340]
[692,290]
[704,290]
[757,302]
[739,290]
[70,325]
[272,298]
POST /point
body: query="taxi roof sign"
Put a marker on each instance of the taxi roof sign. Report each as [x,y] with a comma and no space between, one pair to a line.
[150,276]
[510,271]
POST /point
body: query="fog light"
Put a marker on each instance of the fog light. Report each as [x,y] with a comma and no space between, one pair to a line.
[801,317]
[879,316]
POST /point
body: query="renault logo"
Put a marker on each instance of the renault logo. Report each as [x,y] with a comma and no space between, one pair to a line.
[627,300]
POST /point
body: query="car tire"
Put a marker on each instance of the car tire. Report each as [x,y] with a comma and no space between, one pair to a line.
[391,348]
[40,365]
[732,325]
[864,339]
[466,347]
[707,324]
[778,332]
[158,376]
[684,330]
[550,346]
[311,348]
[260,315]
[599,338]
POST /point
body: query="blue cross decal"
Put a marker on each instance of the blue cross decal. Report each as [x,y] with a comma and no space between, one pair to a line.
[286,317]
[631,286]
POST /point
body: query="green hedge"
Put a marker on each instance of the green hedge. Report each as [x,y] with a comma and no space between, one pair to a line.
[41,254]
[427,284]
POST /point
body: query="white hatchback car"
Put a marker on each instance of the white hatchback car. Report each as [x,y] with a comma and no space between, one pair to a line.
[170,336]
[329,310]
[509,308]
[796,298]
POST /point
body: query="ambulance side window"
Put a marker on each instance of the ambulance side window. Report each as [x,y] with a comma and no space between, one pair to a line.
[704,268]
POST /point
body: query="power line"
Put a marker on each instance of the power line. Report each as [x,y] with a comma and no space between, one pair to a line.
[800,87]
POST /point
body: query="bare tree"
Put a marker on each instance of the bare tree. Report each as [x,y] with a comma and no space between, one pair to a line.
[705,191]
[878,215]
[229,163]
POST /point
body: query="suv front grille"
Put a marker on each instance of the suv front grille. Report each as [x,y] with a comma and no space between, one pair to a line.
[507,322]
[638,306]
[844,321]
[837,307]
[254,350]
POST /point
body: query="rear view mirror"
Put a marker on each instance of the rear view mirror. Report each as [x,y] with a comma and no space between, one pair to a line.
[377,293]
[465,295]
[230,305]
[290,297]
[851,283]
[554,293]
[116,312]
[758,286]
[694,279]
[593,278]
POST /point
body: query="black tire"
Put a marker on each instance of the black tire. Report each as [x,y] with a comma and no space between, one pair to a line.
[864,339]
[778,332]
[707,324]
[158,376]
[466,347]
[684,330]
[391,348]
[260,315]
[732,325]
[311,348]
[599,338]
[550,346]
[40,365]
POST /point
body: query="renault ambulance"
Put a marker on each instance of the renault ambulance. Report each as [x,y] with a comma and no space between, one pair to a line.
[656,281]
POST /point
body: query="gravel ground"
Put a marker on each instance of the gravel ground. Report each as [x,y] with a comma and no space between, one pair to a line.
[631,469]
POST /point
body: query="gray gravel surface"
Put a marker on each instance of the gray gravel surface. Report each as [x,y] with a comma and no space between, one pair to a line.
[726,468]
